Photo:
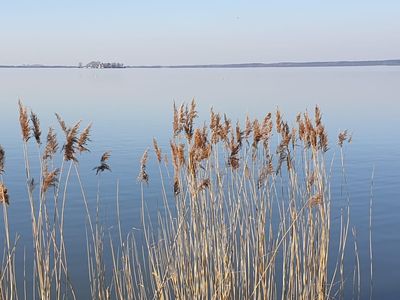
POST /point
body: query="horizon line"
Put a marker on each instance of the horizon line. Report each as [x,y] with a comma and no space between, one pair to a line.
[328,63]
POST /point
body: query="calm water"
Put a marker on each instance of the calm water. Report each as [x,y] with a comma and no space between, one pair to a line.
[130,107]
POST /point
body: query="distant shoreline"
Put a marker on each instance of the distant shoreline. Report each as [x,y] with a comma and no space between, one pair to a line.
[350,63]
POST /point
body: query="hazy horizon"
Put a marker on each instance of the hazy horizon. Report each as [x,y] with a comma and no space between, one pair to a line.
[174,33]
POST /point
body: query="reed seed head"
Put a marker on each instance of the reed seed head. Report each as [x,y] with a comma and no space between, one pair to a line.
[62,124]
[51,145]
[83,139]
[2,159]
[342,138]
[50,179]
[36,127]
[143,176]
[4,198]
[24,122]
[103,163]
[315,200]
[157,150]
[71,142]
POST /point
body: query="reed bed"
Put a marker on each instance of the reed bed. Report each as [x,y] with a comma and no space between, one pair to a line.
[246,214]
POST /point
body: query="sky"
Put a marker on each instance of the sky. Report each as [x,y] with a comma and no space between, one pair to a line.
[197,32]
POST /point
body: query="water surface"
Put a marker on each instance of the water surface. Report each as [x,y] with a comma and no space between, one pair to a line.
[128,107]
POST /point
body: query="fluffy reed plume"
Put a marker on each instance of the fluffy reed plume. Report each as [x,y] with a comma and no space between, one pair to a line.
[71,142]
[36,127]
[283,147]
[226,128]
[4,198]
[265,172]
[301,127]
[50,179]
[143,176]
[176,124]
[233,160]
[178,155]
[315,200]
[239,134]
[62,124]
[323,138]
[157,150]
[2,159]
[103,163]
[188,120]
[204,184]
[248,128]
[178,160]
[177,188]
[257,133]
[84,139]
[201,148]
[342,137]
[318,116]
[51,145]
[266,128]
[24,121]
[278,121]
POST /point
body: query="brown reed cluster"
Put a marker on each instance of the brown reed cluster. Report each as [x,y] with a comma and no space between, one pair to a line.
[74,142]
[199,150]
[184,119]
[50,179]
[219,129]
[314,136]
[342,137]
[103,163]
[195,145]
[227,181]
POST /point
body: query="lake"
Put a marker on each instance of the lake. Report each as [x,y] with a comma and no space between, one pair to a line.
[128,107]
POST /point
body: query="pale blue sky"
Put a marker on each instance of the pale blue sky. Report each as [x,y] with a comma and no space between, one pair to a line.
[186,32]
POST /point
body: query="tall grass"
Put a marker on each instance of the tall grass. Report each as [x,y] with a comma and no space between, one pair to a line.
[246,214]
[250,220]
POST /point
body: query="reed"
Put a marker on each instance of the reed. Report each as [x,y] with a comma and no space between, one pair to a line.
[251,221]
[245,214]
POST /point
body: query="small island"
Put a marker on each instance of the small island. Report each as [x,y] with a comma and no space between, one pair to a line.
[103,65]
